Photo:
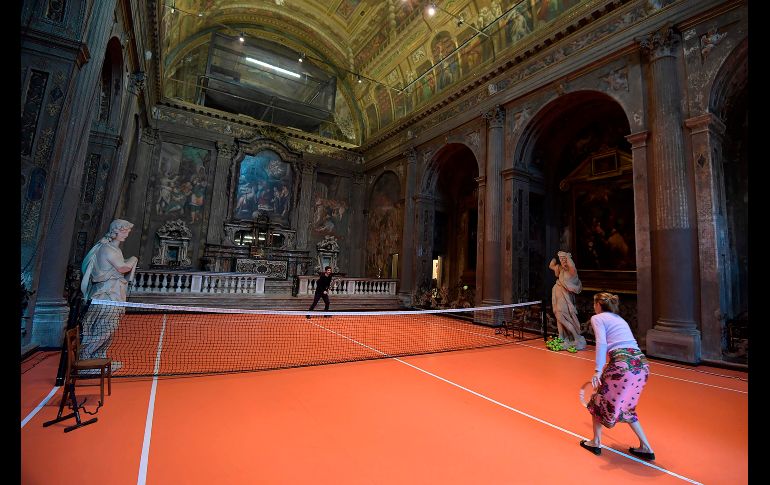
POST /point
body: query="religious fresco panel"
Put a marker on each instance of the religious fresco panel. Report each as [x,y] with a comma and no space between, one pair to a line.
[331,204]
[264,184]
[182,183]
[385,225]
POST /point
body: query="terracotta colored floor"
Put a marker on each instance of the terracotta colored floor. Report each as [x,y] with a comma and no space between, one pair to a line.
[505,415]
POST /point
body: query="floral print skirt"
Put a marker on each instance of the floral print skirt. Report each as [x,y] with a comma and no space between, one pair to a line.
[623,379]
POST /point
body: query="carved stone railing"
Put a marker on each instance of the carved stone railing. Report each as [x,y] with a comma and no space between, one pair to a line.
[350,286]
[197,282]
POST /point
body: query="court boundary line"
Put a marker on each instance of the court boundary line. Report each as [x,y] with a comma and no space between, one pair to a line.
[145,458]
[572,356]
[39,406]
[505,406]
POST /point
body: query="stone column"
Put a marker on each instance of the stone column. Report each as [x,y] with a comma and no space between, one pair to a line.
[674,242]
[305,202]
[137,192]
[517,246]
[424,208]
[480,232]
[706,133]
[220,197]
[69,153]
[408,242]
[357,242]
[494,251]
[641,183]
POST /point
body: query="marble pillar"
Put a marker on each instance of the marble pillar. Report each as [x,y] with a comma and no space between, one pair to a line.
[706,132]
[357,242]
[494,251]
[221,200]
[408,242]
[674,240]
[641,181]
[307,168]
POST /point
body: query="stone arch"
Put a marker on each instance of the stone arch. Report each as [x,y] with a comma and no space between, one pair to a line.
[728,102]
[110,85]
[555,145]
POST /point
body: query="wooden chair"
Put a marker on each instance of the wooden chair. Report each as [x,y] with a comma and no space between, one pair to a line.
[73,373]
[75,365]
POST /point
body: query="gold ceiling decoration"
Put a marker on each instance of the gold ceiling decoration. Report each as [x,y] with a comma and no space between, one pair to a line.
[405,57]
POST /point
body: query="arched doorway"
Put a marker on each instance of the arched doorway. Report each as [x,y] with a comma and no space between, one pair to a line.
[581,197]
[729,104]
[449,208]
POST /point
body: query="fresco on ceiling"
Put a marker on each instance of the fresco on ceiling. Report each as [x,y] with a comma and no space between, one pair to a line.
[405,11]
[182,182]
[402,103]
[343,119]
[331,196]
[384,105]
[442,48]
[507,23]
[264,184]
[371,116]
[372,47]
[384,226]
[516,24]
[346,8]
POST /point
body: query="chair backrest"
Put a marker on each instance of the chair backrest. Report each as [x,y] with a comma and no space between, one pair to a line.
[71,338]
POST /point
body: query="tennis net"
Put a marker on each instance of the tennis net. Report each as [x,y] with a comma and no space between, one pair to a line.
[167,340]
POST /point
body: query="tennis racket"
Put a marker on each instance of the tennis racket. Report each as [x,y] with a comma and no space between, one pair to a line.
[582,393]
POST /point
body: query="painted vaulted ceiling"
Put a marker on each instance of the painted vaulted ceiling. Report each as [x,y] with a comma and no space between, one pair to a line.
[367,64]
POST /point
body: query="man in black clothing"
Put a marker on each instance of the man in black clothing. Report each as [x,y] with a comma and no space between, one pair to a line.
[322,290]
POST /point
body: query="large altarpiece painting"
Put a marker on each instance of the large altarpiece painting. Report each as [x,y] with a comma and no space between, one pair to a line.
[264,184]
[601,230]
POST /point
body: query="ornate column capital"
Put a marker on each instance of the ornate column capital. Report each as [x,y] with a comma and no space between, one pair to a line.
[307,166]
[660,43]
[706,122]
[149,135]
[638,139]
[495,117]
[226,150]
[411,155]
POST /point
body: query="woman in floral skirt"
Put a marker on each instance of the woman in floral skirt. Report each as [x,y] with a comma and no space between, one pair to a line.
[619,383]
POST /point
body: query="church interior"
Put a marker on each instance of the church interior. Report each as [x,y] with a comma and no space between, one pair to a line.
[433,153]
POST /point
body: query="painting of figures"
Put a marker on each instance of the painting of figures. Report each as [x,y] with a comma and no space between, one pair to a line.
[264,184]
[330,206]
[384,226]
[182,182]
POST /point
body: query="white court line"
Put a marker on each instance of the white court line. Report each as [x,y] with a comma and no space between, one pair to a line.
[40,406]
[645,463]
[150,412]
[572,356]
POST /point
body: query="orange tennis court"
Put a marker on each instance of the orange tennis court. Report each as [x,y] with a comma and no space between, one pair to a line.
[495,415]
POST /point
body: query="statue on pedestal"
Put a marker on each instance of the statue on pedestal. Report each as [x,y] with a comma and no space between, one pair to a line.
[563,300]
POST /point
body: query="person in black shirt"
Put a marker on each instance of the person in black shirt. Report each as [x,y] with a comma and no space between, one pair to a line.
[322,290]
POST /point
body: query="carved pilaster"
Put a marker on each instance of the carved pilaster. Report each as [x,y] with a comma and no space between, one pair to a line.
[660,44]
[706,133]
[408,243]
[307,170]
[495,117]
[221,200]
[148,135]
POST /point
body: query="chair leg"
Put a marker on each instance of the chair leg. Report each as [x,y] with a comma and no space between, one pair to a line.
[101,385]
